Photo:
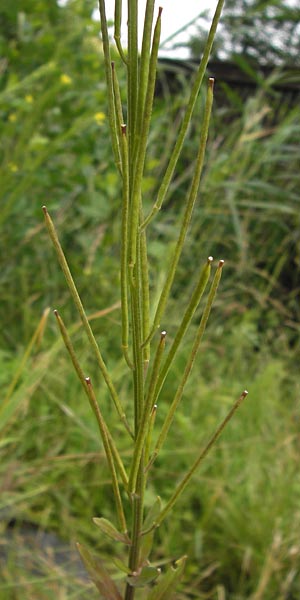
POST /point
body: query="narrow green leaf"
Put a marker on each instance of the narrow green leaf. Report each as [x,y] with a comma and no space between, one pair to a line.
[121,566]
[147,575]
[165,588]
[106,586]
[152,514]
[109,529]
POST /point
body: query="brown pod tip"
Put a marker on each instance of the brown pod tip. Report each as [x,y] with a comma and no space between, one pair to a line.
[221,263]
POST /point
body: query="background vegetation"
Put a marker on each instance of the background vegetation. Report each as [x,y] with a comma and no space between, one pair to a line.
[240,518]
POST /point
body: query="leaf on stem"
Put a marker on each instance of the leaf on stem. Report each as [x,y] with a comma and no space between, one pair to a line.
[109,529]
[99,575]
[165,588]
[147,575]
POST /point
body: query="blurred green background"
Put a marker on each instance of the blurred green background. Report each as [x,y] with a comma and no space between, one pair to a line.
[239,519]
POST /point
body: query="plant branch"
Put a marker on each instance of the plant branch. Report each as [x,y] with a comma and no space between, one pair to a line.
[77,301]
[187,214]
[200,458]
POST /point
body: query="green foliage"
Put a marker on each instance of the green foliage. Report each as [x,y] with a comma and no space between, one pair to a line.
[53,126]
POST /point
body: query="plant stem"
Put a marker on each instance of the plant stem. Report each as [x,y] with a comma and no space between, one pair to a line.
[82,379]
[138,154]
[108,452]
[117,31]
[163,190]
[124,247]
[187,317]
[187,214]
[170,415]
[200,458]
[138,513]
[145,419]
[109,83]
[77,301]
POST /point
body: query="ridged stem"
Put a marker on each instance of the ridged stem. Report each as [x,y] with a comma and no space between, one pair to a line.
[109,456]
[187,317]
[145,299]
[187,214]
[109,84]
[195,348]
[144,421]
[144,62]
[77,301]
[140,145]
[124,247]
[70,348]
[132,72]
[163,190]
[117,29]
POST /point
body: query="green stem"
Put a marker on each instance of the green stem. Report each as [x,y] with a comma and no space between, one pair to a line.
[169,418]
[138,372]
[187,117]
[138,513]
[117,102]
[109,456]
[124,248]
[144,62]
[145,299]
[149,434]
[187,214]
[109,84]
[117,29]
[82,379]
[187,317]
[144,421]
[140,146]
[200,458]
[132,71]
[77,301]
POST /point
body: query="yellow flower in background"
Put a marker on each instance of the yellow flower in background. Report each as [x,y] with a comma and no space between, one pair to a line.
[12,117]
[65,79]
[13,167]
[99,117]
[29,99]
